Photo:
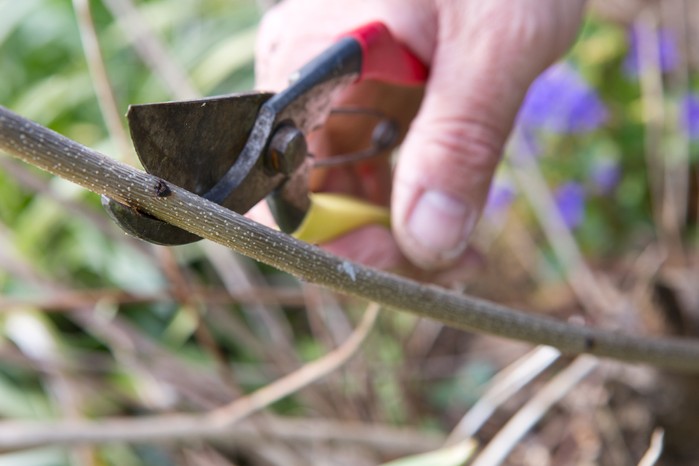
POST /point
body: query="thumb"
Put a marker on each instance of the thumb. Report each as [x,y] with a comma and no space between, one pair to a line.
[484,61]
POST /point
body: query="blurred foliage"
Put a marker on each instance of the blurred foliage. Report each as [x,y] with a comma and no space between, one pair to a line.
[57,238]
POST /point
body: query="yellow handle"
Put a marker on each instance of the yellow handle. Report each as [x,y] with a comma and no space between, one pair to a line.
[333,215]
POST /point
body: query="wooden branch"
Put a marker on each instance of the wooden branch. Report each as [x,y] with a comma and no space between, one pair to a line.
[211,425]
[65,158]
[19,435]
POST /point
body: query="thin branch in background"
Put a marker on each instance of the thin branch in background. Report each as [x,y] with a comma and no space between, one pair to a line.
[655,449]
[265,318]
[134,352]
[505,440]
[100,79]
[70,300]
[305,432]
[204,455]
[151,49]
[591,294]
[271,331]
[197,310]
[159,372]
[111,115]
[329,325]
[677,155]
[692,11]
[327,321]
[520,242]
[309,373]
[33,337]
[502,387]
[668,178]
[145,360]
[610,432]
[195,307]
[19,435]
[653,109]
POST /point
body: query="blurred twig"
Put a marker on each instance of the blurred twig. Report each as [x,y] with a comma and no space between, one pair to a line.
[264,315]
[508,382]
[151,49]
[100,79]
[655,449]
[50,151]
[195,307]
[384,438]
[14,435]
[589,291]
[293,382]
[677,157]
[499,447]
[668,178]
[69,300]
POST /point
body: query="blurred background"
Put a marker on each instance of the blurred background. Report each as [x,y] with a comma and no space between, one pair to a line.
[592,218]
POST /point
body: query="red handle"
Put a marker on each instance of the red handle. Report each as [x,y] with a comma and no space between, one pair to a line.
[386,59]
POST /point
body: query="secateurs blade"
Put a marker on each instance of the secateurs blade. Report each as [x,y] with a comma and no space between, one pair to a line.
[238,149]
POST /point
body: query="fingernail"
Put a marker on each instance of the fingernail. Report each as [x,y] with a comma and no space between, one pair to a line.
[441,224]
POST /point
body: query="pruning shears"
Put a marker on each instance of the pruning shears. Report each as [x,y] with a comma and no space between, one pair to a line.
[238,149]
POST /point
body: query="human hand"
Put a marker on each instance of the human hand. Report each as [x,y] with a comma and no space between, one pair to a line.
[482,58]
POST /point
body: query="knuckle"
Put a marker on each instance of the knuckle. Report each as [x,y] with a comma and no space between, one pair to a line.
[462,151]
[474,143]
[518,30]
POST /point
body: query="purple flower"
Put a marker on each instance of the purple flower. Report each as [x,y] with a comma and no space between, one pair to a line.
[605,174]
[667,58]
[570,199]
[690,115]
[562,102]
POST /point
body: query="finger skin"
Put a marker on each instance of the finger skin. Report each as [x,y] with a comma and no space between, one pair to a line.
[483,55]
[487,55]
[375,246]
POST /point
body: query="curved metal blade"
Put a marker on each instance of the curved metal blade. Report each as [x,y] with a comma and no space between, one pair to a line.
[191,144]
[145,227]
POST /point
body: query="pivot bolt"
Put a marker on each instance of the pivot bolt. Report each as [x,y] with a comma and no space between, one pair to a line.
[287,149]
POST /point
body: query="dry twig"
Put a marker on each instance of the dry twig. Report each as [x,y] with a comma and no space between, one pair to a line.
[498,448]
[52,152]
[214,424]
[503,386]
[151,49]
[100,78]
[655,449]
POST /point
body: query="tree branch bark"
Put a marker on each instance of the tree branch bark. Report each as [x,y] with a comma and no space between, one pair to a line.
[65,158]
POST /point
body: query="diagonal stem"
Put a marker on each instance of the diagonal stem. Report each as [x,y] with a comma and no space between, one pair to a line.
[100,78]
[214,424]
[59,155]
